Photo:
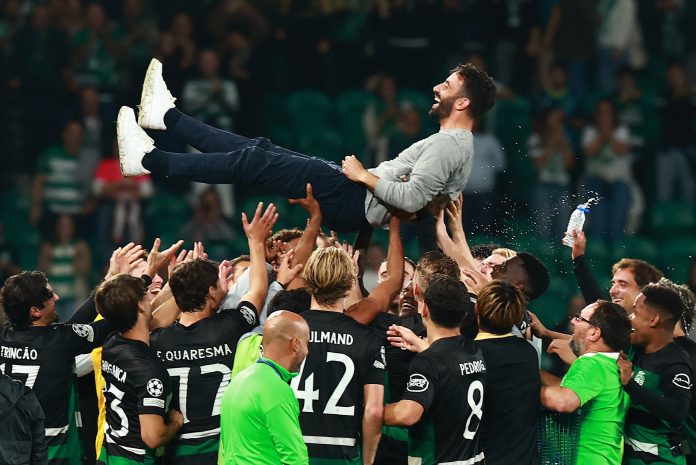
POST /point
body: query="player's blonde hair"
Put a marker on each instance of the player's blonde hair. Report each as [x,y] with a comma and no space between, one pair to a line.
[329,275]
[505,252]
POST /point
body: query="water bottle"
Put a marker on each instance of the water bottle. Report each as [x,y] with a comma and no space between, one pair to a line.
[577,220]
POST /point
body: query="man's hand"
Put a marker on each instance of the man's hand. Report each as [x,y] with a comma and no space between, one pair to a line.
[353,169]
[538,328]
[473,280]
[309,203]
[261,225]
[579,245]
[124,260]
[224,272]
[404,338]
[353,254]
[156,259]
[625,368]
[561,347]
[286,271]
[455,214]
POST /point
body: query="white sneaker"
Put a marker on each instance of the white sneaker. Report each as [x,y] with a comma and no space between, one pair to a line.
[133,143]
[155,99]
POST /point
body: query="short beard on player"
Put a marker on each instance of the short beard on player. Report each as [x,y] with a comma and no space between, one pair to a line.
[577,347]
[443,109]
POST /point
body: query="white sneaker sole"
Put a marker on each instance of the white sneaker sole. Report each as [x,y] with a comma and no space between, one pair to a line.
[147,95]
[129,157]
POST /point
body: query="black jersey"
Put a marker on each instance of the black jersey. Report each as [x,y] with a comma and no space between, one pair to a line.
[344,356]
[660,392]
[136,383]
[448,380]
[42,357]
[689,347]
[199,361]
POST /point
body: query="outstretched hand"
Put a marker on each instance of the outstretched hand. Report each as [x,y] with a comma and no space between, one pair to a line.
[286,271]
[404,338]
[579,244]
[125,259]
[309,203]
[156,259]
[260,226]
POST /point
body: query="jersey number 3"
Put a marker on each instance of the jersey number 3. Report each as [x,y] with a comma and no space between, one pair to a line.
[309,394]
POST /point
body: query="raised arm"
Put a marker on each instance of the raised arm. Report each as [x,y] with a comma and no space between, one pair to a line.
[365,310]
[257,231]
[307,242]
[590,289]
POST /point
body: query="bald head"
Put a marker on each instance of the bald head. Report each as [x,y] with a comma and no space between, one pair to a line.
[285,339]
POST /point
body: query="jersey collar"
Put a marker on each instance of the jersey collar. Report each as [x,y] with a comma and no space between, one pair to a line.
[482,335]
[614,355]
[284,374]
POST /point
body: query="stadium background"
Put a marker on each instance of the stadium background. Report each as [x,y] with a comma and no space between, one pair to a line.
[310,74]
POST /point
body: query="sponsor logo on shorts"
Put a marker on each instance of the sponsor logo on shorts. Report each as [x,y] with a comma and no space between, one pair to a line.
[417,383]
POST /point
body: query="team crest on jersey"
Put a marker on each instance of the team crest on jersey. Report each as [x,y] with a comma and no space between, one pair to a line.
[417,383]
[155,387]
[640,377]
[248,315]
[682,380]
[85,331]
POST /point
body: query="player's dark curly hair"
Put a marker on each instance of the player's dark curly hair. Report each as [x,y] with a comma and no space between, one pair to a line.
[294,300]
[191,281]
[479,88]
[117,300]
[448,301]
[20,293]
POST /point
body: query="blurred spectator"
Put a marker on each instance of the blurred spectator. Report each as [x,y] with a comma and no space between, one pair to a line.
[692,276]
[375,256]
[140,39]
[677,144]
[516,23]
[618,22]
[208,223]
[66,261]
[479,194]
[556,92]
[119,213]
[211,98]
[381,118]
[553,157]
[239,265]
[37,73]
[94,126]
[409,130]
[96,50]
[9,258]
[607,172]
[631,104]
[177,51]
[72,17]
[57,187]
[572,30]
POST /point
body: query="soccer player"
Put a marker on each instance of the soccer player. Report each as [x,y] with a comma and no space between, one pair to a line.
[41,354]
[341,383]
[428,174]
[138,388]
[198,350]
[658,380]
[443,402]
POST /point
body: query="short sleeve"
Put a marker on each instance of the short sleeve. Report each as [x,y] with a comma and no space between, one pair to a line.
[421,382]
[375,362]
[152,391]
[245,314]
[585,378]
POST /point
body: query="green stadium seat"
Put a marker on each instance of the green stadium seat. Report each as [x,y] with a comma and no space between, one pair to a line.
[676,256]
[421,100]
[326,144]
[639,247]
[352,101]
[308,109]
[672,217]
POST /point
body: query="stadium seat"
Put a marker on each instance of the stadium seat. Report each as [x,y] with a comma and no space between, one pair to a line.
[326,143]
[676,256]
[421,100]
[352,101]
[635,247]
[672,217]
[308,109]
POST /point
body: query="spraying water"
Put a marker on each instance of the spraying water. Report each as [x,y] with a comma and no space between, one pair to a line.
[577,221]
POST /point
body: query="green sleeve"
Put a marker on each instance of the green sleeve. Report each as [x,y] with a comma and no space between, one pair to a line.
[584,378]
[247,353]
[284,427]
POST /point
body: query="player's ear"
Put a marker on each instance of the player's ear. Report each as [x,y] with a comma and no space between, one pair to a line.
[35,313]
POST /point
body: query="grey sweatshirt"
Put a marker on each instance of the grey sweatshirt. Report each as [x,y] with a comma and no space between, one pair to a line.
[429,173]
